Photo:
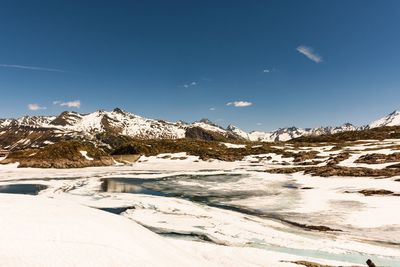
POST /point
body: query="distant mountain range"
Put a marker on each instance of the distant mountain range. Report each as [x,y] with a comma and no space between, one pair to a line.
[37,131]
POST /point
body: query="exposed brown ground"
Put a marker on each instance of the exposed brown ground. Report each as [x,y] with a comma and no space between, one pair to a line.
[64,154]
[327,171]
[378,158]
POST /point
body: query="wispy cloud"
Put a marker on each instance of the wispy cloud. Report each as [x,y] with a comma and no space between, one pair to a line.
[70,104]
[35,106]
[310,53]
[187,85]
[259,123]
[268,70]
[30,68]
[239,104]
[212,109]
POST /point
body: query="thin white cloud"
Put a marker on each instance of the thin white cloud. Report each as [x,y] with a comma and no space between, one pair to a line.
[212,109]
[30,68]
[266,71]
[310,53]
[56,102]
[187,85]
[71,104]
[239,104]
[259,123]
[35,106]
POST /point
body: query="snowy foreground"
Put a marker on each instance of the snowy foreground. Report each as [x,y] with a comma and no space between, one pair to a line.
[204,213]
[38,231]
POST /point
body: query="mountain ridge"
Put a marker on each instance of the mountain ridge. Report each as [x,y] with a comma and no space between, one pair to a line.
[29,130]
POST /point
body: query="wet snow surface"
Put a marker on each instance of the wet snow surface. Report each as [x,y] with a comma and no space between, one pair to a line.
[260,219]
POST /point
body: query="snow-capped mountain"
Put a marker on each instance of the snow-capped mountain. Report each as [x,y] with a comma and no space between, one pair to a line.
[285,134]
[114,122]
[235,130]
[393,119]
[34,121]
[37,131]
[117,122]
[208,125]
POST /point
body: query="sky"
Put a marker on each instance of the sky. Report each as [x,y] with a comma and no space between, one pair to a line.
[259,65]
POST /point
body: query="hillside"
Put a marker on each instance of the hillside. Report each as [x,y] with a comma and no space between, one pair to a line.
[65,154]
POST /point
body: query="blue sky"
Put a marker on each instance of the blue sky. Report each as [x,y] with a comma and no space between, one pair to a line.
[257,64]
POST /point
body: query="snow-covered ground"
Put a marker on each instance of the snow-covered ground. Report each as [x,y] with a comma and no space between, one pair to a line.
[230,145]
[41,232]
[85,155]
[210,213]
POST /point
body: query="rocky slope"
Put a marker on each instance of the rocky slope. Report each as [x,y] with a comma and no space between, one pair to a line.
[66,154]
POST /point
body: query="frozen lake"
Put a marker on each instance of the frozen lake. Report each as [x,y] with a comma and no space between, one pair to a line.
[244,193]
[236,205]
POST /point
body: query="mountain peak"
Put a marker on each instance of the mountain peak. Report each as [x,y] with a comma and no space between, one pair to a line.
[207,121]
[347,124]
[239,132]
[231,127]
[118,110]
[393,119]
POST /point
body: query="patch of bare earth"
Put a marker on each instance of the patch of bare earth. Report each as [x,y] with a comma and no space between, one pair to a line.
[327,171]
[376,158]
[338,158]
[66,154]
[320,228]
[377,192]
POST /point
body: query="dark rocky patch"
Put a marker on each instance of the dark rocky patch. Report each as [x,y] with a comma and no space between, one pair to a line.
[64,154]
[305,155]
[320,228]
[394,166]
[327,171]
[376,158]
[374,192]
[338,158]
[199,133]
